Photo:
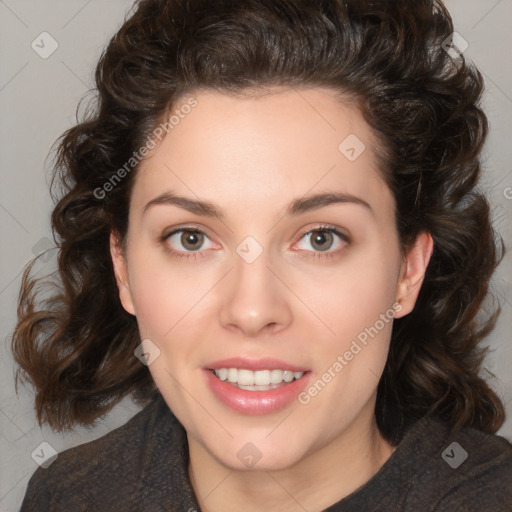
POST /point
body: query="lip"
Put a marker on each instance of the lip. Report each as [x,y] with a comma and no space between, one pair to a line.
[266,363]
[256,402]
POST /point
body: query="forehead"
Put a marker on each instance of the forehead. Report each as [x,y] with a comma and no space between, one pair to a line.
[262,149]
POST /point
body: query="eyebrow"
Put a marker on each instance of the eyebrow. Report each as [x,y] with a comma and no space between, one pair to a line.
[296,207]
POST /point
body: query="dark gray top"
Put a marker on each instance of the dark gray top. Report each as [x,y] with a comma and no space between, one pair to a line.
[142,467]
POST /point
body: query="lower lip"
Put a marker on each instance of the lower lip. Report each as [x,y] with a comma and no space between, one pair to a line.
[256,402]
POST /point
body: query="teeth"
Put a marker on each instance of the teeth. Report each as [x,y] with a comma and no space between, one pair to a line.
[245,377]
[288,376]
[276,376]
[261,378]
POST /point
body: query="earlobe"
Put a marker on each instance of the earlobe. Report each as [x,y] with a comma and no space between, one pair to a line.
[121,273]
[412,273]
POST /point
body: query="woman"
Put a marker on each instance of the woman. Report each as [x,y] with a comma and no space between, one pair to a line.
[271,238]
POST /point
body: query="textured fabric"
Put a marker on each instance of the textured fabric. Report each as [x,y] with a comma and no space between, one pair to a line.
[142,467]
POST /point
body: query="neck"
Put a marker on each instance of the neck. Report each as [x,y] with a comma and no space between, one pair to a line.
[315,482]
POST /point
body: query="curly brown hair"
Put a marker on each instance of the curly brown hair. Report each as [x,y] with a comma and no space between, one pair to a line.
[76,346]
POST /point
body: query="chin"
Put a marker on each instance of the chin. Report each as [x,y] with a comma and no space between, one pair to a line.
[250,457]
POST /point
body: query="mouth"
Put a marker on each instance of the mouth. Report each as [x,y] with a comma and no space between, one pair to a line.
[256,386]
[256,392]
[259,380]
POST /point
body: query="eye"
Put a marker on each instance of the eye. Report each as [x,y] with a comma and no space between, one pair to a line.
[322,238]
[191,240]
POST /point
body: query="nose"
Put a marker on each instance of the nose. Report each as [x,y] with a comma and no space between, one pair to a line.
[255,298]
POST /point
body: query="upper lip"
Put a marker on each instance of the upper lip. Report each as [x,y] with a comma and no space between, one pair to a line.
[266,363]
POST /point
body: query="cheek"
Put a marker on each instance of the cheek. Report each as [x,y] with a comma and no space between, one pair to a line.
[356,305]
[162,291]
[350,297]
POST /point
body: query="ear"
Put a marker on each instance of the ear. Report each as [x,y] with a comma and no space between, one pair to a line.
[121,273]
[412,273]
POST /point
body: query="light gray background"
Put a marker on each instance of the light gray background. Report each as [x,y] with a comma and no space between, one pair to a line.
[38,100]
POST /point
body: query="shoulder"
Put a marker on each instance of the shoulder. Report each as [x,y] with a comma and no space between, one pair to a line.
[470,470]
[97,467]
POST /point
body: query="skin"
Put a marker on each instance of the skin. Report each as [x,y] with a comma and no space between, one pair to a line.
[252,156]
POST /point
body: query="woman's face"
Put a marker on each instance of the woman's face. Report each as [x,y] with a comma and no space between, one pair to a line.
[258,282]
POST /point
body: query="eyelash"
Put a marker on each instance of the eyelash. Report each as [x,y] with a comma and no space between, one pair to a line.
[194,255]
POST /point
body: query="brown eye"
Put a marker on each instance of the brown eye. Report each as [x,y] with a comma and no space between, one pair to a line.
[191,240]
[321,240]
[324,242]
[185,241]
